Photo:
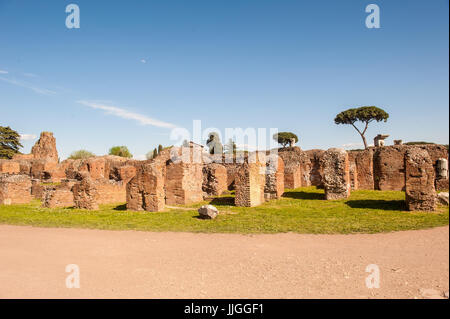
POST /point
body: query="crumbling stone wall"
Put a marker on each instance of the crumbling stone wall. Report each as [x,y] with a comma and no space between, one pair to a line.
[292,159]
[336,175]
[45,148]
[123,173]
[389,168]
[316,172]
[274,187]
[183,175]
[183,183]
[58,196]
[145,191]
[297,167]
[47,170]
[9,167]
[214,179]
[85,194]
[232,170]
[361,162]
[38,188]
[96,167]
[15,189]
[111,191]
[353,174]
[419,180]
[250,182]
[389,164]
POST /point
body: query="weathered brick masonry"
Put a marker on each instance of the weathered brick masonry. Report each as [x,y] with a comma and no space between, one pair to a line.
[419,180]
[336,177]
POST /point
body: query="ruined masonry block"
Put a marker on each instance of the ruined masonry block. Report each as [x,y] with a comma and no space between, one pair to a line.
[59,196]
[296,172]
[316,173]
[274,187]
[85,194]
[420,175]
[336,174]
[214,179]
[250,182]
[126,173]
[45,148]
[389,168]
[183,183]
[145,191]
[353,173]
[15,189]
[96,167]
[363,161]
[42,169]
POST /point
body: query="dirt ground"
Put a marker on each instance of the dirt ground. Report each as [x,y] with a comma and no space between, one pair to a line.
[128,264]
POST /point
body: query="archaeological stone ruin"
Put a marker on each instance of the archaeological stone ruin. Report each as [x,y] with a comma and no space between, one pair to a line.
[336,176]
[188,174]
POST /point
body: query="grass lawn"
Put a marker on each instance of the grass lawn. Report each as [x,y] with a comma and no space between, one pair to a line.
[301,210]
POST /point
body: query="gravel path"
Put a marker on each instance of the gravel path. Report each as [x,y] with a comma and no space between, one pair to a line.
[129,264]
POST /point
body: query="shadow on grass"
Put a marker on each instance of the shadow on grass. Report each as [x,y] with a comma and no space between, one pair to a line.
[223,201]
[121,207]
[399,205]
[304,195]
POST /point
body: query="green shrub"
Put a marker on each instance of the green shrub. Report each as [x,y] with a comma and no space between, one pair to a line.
[121,151]
[80,154]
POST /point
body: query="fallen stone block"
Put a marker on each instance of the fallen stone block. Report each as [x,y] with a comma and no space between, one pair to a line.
[208,212]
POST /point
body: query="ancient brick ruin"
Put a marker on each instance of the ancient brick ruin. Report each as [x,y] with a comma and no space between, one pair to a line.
[85,192]
[45,148]
[250,182]
[58,196]
[419,180]
[214,180]
[274,187]
[336,177]
[15,189]
[145,191]
[185,175]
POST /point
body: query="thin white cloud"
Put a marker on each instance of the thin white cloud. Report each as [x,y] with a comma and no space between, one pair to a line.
[143,61]
[3,72]
[122,113]
[27,137]
[28,86]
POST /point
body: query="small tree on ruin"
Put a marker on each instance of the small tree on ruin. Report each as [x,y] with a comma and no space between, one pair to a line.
[285,138]
[121,151]
[80,154]
[364,114]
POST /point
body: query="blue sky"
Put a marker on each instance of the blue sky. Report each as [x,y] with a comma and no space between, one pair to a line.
[137,68]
